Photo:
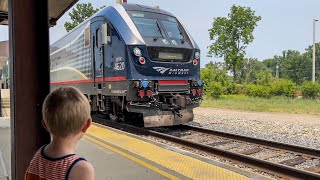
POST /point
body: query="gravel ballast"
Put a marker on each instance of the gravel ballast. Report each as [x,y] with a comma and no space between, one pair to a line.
[301,130]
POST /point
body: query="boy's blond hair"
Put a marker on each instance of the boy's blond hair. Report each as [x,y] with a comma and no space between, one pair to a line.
[64,111]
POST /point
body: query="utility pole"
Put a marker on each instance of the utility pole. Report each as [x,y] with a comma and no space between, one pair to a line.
[314,52]
[277,70]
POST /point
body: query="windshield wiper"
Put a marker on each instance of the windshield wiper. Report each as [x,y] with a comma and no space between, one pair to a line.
[155,38]
[159,29]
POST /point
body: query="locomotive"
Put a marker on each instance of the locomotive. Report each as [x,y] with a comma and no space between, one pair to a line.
[131,61]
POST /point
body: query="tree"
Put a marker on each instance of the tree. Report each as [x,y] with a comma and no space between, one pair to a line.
[256,72]
[231,36]
[80,13]
[295,66]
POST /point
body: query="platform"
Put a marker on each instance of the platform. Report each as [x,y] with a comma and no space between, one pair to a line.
[5,102]
[118,155]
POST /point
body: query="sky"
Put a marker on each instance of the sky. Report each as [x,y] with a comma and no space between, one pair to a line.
[285,24]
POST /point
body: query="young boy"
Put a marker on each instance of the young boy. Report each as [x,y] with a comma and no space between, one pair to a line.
[66,116]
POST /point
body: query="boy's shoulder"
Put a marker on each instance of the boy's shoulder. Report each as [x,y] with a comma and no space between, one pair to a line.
[82,170]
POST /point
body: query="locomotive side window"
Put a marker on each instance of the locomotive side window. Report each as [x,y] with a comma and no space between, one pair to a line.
[97,37]
[87,37]
[109,34]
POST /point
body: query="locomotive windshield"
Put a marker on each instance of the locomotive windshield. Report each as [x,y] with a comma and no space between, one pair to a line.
[149,24]
[164,36]
[148,27]
[172,28]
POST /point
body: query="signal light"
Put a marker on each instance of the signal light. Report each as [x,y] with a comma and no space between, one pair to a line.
[194,92]
[141,93]
[195,62]
[142,60]
[149,93]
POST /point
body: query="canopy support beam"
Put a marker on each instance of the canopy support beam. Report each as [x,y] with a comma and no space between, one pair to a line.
[29,79]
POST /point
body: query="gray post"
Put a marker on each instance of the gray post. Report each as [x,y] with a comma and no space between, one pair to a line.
[277,70]
[314,52]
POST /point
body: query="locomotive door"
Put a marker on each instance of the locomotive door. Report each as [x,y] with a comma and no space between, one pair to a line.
[97,53]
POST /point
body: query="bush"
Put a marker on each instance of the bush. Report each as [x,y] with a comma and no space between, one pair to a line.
[233,88]
[257,91]
[213,89]
[310,90]
[283,87]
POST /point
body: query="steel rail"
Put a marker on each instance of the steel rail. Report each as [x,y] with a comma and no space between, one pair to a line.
[266,166]
[272,144]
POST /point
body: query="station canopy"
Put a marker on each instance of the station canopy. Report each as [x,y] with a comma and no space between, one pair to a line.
[56,9]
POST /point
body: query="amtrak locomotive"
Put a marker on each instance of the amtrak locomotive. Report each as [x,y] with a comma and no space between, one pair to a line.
[132,60]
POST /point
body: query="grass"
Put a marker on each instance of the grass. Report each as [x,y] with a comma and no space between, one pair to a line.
[274,104]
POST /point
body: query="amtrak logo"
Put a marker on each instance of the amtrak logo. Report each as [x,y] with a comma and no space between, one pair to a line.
[170,71]
[161,70]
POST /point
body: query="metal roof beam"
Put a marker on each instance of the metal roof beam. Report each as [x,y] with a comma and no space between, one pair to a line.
[56,9]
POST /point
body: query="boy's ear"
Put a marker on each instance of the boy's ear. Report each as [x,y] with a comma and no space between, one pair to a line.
[86,125]
[44,124]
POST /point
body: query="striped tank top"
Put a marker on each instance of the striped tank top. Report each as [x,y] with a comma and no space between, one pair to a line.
[43,167]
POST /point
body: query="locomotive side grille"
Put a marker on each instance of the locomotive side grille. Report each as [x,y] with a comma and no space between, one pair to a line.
[155,54]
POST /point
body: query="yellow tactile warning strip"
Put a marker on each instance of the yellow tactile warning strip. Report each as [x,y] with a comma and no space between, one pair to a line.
[184,165]
[137,160]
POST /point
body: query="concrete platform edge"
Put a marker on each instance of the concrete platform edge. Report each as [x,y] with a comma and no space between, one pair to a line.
[193,155]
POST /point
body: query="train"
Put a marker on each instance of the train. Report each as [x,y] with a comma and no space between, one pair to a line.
[131,61]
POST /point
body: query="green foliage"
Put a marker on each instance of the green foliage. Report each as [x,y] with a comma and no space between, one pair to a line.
[257,91]
[215,72]
[81,12]
[233,88]
[283,87]
[231,36]
[213,89]
[216,80]
[295,66]
[264,78]
[273,104]
[256,72]
[310,90]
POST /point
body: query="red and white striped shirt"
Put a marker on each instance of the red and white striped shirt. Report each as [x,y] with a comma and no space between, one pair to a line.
[43,167]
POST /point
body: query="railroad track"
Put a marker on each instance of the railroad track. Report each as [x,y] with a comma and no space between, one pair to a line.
[215,144]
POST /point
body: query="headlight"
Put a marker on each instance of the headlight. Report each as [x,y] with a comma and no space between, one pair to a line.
[136,84]
[194,83]
[137,52]
[197,55]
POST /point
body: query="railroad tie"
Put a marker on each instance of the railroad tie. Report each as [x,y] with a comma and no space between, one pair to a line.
[293,162]
[250,151]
